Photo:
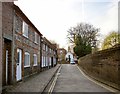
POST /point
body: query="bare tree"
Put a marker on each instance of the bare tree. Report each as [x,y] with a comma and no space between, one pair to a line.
[87,32]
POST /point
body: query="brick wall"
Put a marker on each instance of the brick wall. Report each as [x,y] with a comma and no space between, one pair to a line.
[26,45]
[8,47]
[104,66]
[13,39]
[49,54]
[7,32]
[7,20]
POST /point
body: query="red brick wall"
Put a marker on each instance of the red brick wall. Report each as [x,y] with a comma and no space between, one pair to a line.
[7,19]
[7,31]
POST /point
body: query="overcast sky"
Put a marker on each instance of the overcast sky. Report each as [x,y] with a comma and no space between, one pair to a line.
[54,17]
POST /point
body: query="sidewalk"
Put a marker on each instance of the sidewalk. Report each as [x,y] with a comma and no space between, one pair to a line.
[36,83]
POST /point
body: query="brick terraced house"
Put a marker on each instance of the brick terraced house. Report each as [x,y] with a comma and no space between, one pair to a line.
[49,54]
[22,46]
[26,45]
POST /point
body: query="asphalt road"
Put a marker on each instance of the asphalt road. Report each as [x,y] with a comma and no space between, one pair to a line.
[72,80]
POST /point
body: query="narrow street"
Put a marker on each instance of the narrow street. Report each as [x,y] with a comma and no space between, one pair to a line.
[62,79]
[71,79]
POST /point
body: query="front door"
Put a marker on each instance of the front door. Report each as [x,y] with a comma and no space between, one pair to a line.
[52,62]
[69,58]
[18,64]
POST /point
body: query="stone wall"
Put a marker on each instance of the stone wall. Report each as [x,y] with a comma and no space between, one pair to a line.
[103,66]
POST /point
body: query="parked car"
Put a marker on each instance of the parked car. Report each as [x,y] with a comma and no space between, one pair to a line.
[72,62]
[76,61]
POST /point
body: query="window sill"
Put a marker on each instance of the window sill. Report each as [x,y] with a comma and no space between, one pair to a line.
[36,42]
[26,66]
[35,65]
[25,36]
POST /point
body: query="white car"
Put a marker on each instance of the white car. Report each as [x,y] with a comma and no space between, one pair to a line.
[72,62]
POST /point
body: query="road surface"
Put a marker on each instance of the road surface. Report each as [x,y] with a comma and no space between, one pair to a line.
[71,79]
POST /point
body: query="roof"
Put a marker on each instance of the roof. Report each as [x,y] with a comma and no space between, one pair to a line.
[61,49]
[46,41]
[25,18]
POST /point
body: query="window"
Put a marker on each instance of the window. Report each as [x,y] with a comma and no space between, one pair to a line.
[36,38]
[35,59]
[46,48]
[25,29]
[27,60]
[43,46]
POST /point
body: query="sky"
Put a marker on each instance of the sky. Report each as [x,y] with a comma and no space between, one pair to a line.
[54,17]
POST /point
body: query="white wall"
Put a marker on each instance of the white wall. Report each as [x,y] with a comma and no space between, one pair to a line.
[71,56]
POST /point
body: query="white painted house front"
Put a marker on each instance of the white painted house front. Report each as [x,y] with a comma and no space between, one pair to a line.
[69,57]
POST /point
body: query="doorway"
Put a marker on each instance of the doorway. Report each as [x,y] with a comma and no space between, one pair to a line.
[69,59]
[7,59]
[18,64]
[52,62]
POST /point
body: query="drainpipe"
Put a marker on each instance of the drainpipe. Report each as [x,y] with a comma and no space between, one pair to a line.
[13,47]
[41,42]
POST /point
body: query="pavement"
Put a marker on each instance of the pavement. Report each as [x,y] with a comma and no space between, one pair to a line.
[36,83]
[71,79]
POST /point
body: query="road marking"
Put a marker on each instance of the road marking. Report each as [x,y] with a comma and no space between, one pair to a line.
[100,84]
[54,82]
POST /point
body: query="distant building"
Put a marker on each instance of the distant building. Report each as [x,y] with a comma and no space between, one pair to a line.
[49,54]
[71,48]
[61,54]
[69,58]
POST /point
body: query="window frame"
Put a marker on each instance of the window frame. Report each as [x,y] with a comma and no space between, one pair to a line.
[36,38]
[35,64]
[26,53]
[25,25]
